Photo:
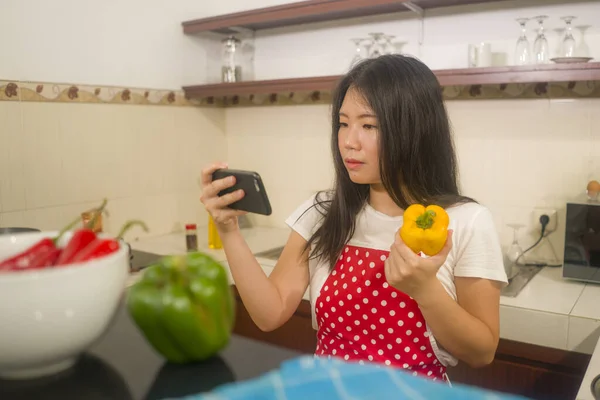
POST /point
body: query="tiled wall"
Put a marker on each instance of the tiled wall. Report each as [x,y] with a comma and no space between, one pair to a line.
[59,159]
[514,155]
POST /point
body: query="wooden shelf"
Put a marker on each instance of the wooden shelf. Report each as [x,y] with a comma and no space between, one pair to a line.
[311,11]
[448,77]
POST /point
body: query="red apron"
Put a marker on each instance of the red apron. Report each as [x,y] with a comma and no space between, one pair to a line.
[362,318]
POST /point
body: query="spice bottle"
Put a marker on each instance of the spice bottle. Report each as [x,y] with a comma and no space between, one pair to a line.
[214,240]
[191,237]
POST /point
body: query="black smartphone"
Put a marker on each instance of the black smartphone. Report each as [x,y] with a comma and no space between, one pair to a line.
[255,198]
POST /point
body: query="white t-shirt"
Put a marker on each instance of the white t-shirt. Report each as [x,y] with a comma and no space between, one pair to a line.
[476,251]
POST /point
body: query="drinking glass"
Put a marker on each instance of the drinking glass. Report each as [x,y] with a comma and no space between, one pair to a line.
[523,50]
[541,49]
[568,45]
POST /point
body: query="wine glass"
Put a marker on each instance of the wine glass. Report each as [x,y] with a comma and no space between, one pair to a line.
[388,46]
[523,50]
[358,53]
[541,50]
[376,49]
[568,46]
[515,251]
[583,49]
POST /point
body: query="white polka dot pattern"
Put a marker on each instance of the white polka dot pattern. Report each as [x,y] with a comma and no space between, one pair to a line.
[362,318]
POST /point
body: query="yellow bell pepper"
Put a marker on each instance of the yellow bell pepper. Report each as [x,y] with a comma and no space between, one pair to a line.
[425,228]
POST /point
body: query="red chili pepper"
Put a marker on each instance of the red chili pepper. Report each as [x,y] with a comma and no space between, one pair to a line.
[23,259]
[80,239]
[102,247]
[41,260]
[26,259]
[98,248]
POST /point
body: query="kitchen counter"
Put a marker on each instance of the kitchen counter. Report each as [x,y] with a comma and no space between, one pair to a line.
[123,366]
[550,311]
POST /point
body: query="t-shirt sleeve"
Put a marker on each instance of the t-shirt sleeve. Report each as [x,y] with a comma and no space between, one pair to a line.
[306,218]
[480,254]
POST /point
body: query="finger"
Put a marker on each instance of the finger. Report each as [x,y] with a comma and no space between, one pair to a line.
[213,189]
[387,269]
[208,171]
[397,265]
[405,252]
[227,199]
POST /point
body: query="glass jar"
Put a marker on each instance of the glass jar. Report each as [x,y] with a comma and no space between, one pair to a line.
[191,237]
[231,69]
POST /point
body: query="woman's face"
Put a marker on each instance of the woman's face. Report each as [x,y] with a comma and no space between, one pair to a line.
[358,139]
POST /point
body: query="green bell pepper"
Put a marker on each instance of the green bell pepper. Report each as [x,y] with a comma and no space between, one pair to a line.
[184,306]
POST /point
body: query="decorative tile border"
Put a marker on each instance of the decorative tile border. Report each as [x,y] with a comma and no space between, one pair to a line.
[553,90]
[67,93]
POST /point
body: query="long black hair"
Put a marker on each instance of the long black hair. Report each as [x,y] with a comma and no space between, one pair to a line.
[417,159]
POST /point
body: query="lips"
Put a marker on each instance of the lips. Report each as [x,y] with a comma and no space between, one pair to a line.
[353,163]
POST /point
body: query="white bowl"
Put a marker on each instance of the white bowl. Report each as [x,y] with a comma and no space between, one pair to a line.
[48,317]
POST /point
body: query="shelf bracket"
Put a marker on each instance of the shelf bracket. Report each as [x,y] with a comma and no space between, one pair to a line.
[414,8]
[421,13]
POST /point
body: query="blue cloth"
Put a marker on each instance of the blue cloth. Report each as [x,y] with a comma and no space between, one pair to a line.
[312,378]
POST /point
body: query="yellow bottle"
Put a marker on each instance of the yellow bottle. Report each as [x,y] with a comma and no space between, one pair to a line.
[214,240]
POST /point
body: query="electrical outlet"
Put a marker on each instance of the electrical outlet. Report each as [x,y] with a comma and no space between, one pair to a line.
[551,213]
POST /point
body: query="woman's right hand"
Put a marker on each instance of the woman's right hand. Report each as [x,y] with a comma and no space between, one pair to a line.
[224,217]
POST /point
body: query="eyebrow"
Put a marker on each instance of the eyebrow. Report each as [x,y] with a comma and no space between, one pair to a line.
[360,116]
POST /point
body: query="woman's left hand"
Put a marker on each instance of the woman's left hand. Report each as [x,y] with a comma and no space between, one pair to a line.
[412,274]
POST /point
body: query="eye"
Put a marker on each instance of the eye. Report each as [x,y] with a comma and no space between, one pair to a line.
[343,124]
[369,127]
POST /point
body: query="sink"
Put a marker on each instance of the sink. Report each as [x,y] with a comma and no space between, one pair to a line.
[596,387]
[519,281]
[271,254]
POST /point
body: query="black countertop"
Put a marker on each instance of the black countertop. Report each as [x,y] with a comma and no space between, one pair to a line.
[122,366]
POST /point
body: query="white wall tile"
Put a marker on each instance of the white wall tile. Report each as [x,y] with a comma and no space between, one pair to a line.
[42,155]
[12,219]
[146,160]
[514,155]
[49,218]
[12,179]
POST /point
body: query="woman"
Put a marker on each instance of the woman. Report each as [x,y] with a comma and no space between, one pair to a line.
[373,299]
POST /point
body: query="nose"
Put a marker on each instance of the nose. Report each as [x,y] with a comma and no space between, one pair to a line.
[352,141]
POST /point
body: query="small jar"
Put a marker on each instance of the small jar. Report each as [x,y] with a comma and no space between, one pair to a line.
[191,237]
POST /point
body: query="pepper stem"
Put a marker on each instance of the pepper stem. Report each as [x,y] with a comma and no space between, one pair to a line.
[177,272]
[425,220]
[128,226]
